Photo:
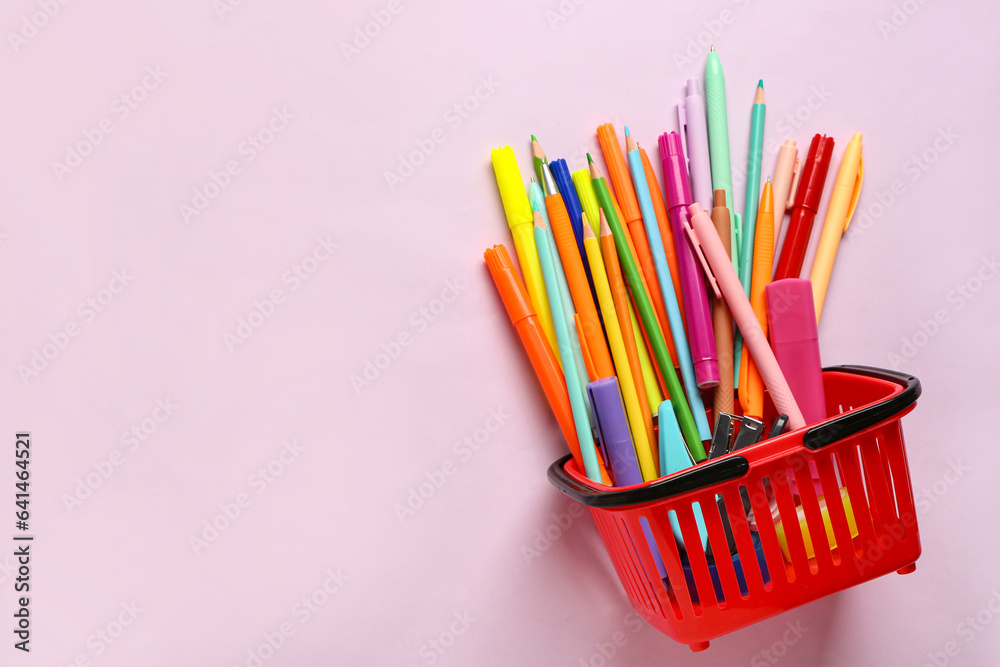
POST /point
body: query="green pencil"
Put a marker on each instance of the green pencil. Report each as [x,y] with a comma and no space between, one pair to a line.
[666,365]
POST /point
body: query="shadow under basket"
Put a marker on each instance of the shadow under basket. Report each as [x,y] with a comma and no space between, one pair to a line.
[795,518]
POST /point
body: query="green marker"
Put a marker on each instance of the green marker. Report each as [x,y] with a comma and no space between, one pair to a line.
[666,365]
[718,146]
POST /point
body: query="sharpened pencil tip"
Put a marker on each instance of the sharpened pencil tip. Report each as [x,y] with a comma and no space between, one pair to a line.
[627,133]
[760,84]
[590,160]
[533,138]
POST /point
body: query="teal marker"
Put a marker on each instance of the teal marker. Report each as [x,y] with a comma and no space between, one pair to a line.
[753,187]
[537,199]
[718,146]
[577,399]
[674,457]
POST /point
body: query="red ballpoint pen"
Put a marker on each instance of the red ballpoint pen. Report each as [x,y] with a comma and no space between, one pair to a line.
[807,198]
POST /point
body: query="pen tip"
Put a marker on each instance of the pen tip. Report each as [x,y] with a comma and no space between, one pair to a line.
[712,49]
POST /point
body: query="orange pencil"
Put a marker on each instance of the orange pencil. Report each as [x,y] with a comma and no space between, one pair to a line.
[620,296]
[579,286]
[751,383]
[543,360]
[663,222]
[631,215]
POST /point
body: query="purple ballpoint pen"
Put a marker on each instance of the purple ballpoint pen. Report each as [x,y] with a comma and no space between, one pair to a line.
[694,125]
[696,308]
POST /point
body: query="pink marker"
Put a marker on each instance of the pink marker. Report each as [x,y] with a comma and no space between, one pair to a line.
[696,308]
[753,335]
[791,320]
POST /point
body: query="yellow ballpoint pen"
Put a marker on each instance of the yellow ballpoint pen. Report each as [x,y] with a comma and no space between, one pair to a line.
[843,201]
[521,221]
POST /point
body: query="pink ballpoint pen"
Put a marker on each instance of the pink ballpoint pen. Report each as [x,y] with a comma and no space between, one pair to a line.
[703,236]
[699,314]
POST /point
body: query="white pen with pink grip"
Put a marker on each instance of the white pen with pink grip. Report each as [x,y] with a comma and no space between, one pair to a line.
[709,247]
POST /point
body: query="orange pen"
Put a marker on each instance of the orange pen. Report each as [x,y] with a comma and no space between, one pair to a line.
[579,287]
[751,383]
[543,360]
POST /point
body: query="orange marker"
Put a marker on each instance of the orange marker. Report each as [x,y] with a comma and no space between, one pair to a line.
[751,383]
[543,360]
[579,287]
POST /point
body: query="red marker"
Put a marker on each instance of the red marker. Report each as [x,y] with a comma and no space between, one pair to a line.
[807,197]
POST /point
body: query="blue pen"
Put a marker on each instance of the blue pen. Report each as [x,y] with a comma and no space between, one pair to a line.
[666,288]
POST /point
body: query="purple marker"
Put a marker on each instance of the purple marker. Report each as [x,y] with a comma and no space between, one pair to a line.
[694,125]
[613,433]
[616,443]
[696,308]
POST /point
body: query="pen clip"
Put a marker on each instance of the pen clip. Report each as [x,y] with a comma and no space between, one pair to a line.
[794,187]
[857,191]
[682,124]
[701,257]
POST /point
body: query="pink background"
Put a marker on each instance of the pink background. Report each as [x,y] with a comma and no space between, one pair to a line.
[406,288]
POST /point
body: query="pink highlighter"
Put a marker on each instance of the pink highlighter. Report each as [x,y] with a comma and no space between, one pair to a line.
[791,321]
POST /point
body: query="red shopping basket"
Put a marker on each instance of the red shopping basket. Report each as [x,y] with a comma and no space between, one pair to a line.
[788,521]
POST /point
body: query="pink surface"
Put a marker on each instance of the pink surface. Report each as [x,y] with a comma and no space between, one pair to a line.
[204,283]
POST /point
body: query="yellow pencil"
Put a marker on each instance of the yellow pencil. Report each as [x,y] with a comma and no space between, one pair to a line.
[640,436]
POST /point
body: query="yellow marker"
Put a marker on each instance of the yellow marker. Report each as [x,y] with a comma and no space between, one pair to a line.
[843,201]
[852,525]
[521,221]
[588,198]
[640,436]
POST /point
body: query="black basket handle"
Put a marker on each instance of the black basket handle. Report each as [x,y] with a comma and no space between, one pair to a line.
[849,423]
[735,466]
